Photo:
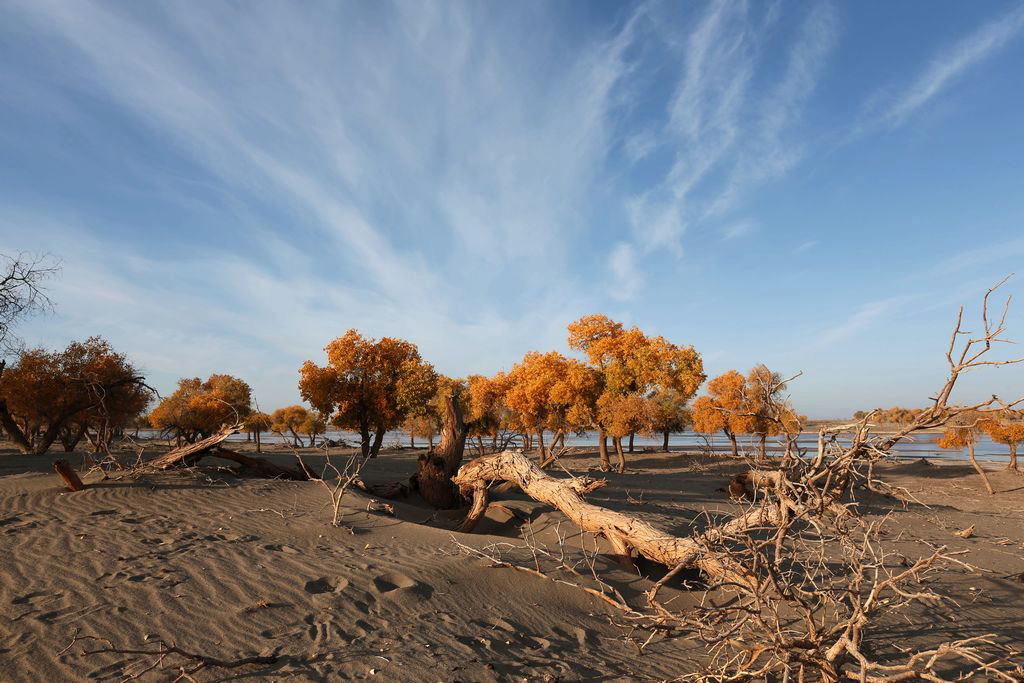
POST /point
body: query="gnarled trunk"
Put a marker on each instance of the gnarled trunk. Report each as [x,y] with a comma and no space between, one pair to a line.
[438,465]
[631,434]
[664,446]
[623,532]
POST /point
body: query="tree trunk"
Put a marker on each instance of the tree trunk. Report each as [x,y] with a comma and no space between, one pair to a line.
[259,446]
[732,442]
[68,474]
[550,457]
[617,440]
[494,440]
[14,432]
[631,441]
[438,465]
[412,440]
[480,442]
[1013,456]
[267,469]
[364,441]
[69,438]
[977,467]
[378,439]
[760,449]
[623,532]
[540,446]
[602,449]
[664,445]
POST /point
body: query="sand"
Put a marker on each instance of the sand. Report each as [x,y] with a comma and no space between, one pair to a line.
[231,567]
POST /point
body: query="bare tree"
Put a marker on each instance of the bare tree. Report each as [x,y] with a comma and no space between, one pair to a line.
[22,293]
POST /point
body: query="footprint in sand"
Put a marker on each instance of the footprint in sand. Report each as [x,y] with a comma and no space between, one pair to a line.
[396,584]
[287,549]
[325,584]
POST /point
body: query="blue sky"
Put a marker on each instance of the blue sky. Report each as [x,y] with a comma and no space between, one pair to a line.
[231,185]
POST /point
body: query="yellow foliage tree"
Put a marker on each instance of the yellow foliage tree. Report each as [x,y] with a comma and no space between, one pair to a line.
[669,413]
[632,368]
[487,409]
[293,419]
[368,386]
[256,423]
[770,413]
[197,409]
[1006,428]
[48,395]
[724,408]
[963,433]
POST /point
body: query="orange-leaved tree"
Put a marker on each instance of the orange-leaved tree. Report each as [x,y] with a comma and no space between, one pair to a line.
[256,423]
[86,385]
[632,368]
[771,414]
[1006,427]
[368,386]
[669,413]
[962,432]
[198,409]
[291,419]
[529,389]
[723,408]
[487,408]
[313,426]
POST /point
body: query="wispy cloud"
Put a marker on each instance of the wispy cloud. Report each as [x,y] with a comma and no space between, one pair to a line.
[952,63]
[723,140]
[867,315]
[806,246]
[444,195]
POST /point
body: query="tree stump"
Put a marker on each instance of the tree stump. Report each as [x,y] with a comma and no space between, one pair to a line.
[68,474]
[438,465]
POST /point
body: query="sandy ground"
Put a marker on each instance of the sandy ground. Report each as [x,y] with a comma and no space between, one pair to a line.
[230,567]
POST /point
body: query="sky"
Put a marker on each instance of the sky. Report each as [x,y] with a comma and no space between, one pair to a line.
[231,185]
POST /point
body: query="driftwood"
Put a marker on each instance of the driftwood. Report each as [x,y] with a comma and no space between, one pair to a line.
[623,532]
[265,468]
[191,454]
[68,474]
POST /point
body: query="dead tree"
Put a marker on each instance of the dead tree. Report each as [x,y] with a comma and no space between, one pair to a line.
[623,532]
[187,456]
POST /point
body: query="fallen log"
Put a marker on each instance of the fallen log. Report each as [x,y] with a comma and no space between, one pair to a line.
[68,474]
[623,532]
[265,468]
[192,453]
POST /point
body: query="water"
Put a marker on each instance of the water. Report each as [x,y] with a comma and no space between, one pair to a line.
[918,446]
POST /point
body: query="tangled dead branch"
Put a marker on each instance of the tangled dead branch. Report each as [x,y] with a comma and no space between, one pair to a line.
[809,580]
